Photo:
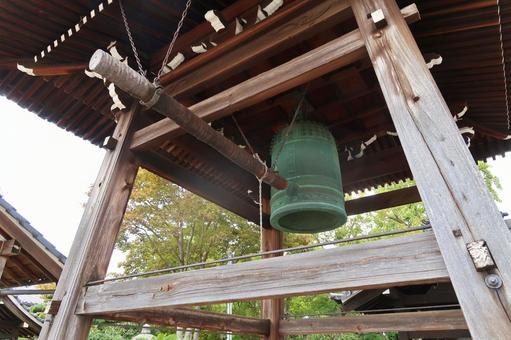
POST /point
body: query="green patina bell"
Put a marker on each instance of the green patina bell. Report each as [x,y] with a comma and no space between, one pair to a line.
[314,199]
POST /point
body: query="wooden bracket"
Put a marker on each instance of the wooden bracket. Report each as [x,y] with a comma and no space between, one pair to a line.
[54,307]
[378,19]
[110,143]
[480,255]
[9,248]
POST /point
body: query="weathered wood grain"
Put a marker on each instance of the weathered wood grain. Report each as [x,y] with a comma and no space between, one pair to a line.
[295,28]
[391,262]
[322,60]
[94,241]
[456,199]
[192,318]
[382,201]
[409,321]
[272,309]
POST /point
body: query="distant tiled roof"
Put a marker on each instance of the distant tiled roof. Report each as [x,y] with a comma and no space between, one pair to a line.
[33,231]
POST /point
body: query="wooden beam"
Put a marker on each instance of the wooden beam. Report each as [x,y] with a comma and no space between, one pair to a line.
[359,298]
[191,318]
[272,309]
[8,248]
[199,185]
[372,166]
[42,70]
[291,26]
[391,262]
[410,321]
[201,32]
[456,199]
[94,241]
[236,41]
[383,201]
[311,65]
[31,246]
[454,334]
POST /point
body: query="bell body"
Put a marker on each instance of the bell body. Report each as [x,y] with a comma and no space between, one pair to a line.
[314,199]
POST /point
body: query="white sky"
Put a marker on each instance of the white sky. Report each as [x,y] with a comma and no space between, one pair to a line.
[45,173]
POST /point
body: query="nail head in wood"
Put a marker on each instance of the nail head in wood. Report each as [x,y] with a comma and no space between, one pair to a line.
[480,255]
[493,281]
[378,19]
[110,143]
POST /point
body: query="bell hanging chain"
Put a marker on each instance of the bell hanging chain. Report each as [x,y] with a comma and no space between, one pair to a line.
[132,42]
[172,43]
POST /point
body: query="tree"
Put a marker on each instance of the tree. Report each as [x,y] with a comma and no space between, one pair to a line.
[167,226]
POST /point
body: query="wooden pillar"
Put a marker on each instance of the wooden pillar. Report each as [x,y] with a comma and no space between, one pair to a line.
[272,309]
[457,202]
[94,241]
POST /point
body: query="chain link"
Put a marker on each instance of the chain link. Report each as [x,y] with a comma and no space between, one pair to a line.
[171,46]
[132,42]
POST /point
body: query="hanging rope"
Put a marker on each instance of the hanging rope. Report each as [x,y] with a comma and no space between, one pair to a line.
[290,127]
[503,65]
[130,37]
[259,179]
[247,143]
[171,46]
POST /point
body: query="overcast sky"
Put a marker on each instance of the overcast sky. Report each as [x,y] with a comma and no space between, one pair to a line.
[45,173]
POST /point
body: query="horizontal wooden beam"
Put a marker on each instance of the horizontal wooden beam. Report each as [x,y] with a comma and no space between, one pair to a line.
[30,245]
[34,69]
[399,261]
[290,26]
[409,321]
[191,318]
[199,185]
[383,201]
[311,65]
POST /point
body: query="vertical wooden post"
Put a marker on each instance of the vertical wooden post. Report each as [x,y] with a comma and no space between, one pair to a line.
[272,309]
[456,199]
[94,241]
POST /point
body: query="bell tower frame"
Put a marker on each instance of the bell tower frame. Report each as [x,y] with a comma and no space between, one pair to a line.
[462,213]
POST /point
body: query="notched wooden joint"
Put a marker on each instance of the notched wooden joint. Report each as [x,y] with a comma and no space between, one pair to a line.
[110,143]
[378,19]
[54,307]
[166,288]
[480,255]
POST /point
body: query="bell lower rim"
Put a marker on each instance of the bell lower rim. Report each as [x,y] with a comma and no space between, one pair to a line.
[283,218]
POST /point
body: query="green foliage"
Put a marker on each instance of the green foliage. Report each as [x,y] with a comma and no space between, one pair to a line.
[164,336]
[102,331]
[167,226]
[37,308]
[492,182]
[311,305]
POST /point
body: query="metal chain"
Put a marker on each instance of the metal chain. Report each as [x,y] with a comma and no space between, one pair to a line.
[132,42]
[290,127]
[171,46]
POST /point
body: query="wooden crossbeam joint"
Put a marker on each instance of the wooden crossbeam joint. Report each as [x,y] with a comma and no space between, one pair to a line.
[9,248]
[54,307]
[378,19]
[481,256]
[110,143]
